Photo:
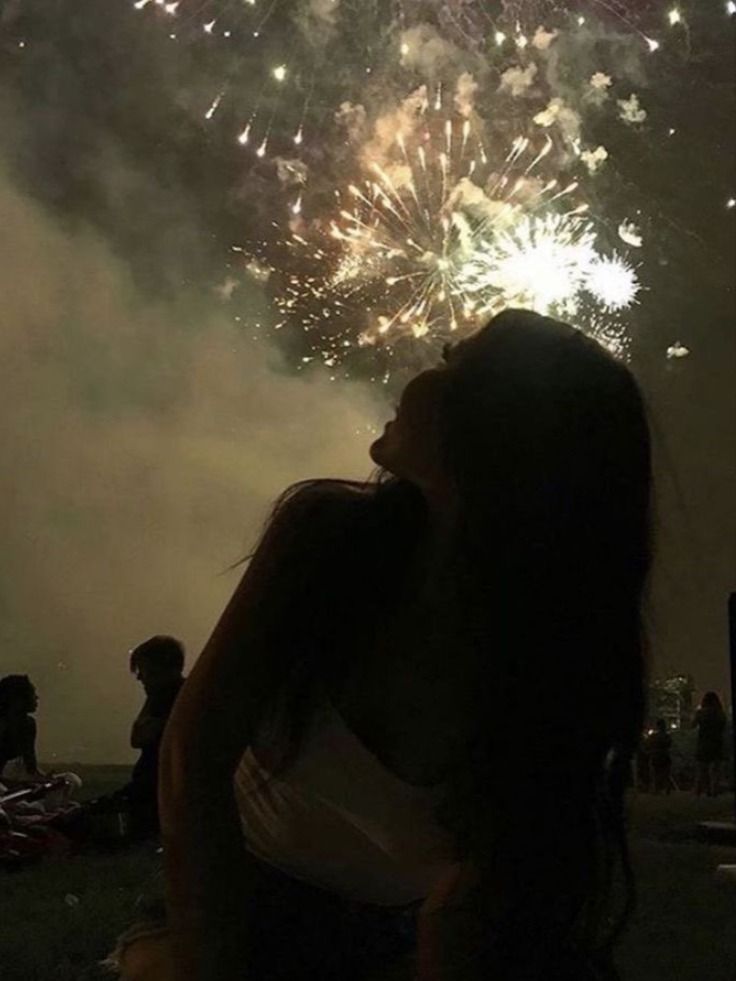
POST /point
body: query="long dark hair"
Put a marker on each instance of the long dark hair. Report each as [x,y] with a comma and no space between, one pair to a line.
[546,440]
[712,703]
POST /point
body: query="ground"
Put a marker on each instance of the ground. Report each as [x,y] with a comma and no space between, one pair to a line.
[61,916]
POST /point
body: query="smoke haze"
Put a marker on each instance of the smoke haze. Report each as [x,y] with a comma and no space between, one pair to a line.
[142,451]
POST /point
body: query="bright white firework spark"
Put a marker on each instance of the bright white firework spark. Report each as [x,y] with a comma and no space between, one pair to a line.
[541,262]
[613,282]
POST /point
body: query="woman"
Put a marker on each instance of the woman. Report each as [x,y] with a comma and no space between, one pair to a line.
[18,702]
[438,681]
[18,762]
[710,721]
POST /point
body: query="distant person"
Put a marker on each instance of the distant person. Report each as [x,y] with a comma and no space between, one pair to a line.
[18,761]
[158,664]
[659,745]
[710,721]
[425,691]
[18,703]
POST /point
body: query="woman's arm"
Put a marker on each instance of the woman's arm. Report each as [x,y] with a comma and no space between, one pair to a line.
[205,859]
[207,866]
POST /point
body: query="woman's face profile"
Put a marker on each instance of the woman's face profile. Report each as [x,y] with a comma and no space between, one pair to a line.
[410,446]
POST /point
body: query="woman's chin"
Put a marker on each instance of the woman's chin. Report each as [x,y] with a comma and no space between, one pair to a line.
[376,451]
[380,453]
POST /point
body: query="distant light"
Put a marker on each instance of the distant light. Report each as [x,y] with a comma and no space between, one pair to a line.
[279,73]
[171,8]
[674,16]
[405,48]
[731,203]
[653,45]
[226,33]
[731,7]
[581,21]
[671,131]
[500,38]
[21,44]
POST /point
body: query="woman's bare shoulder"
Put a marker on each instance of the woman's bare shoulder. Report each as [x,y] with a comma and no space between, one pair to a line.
[322,498]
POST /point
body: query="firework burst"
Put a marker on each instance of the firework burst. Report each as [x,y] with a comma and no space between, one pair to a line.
[374,225]
[438,236]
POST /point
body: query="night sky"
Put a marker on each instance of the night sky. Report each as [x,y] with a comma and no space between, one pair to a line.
[148,409]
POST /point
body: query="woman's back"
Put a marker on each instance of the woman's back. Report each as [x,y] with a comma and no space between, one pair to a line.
[384,729]
[339,818]
[711,723]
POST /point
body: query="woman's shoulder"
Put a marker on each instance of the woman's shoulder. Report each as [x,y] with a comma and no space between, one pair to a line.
[311,515]
[318,505]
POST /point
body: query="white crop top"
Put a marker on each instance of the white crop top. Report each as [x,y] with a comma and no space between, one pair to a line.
[339,819]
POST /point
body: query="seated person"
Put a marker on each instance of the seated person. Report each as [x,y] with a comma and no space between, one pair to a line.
[158,664]
[18,763]
[18,702]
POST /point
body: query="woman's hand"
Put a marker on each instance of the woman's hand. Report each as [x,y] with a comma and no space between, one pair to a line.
[449,928]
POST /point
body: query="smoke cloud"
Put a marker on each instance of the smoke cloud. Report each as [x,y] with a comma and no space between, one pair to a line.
[142,447]
[318,20]
[517,80]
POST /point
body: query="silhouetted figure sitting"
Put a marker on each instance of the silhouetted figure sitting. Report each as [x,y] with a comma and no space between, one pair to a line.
[29,795]
[710,721]
[659,744]
[158,664]
[18,702]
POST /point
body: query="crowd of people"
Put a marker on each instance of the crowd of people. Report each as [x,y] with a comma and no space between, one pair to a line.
[38,814]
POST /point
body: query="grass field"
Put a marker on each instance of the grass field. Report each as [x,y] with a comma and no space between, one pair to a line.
[682,931]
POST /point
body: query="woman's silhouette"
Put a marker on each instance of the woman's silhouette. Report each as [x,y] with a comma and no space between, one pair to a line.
[710,721]
[438,681]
